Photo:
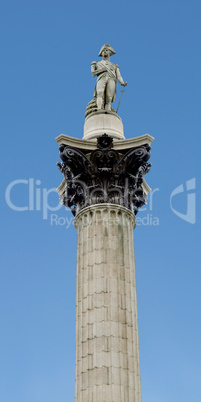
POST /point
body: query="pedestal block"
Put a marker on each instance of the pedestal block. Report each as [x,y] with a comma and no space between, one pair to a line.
[107,347]
[100,123]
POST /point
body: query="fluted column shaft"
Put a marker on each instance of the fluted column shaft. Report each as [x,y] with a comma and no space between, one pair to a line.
[107,347]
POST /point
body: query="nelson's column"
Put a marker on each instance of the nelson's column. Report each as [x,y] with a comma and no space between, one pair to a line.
[104,186]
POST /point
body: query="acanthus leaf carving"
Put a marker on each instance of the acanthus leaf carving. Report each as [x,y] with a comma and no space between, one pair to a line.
[104,176]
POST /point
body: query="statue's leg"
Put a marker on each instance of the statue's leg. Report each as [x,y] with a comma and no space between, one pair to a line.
[110,91]
[99,102]
[100,89]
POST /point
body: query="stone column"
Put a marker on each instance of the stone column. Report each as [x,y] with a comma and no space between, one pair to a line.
[104,187]
[107,347]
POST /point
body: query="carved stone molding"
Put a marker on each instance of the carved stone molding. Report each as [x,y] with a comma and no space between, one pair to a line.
[104,175]
[110,213]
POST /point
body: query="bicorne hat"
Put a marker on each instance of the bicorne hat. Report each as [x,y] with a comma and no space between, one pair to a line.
[108,47]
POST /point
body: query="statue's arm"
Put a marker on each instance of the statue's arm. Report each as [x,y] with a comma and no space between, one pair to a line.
[93,68]
[119,77]
[97,68]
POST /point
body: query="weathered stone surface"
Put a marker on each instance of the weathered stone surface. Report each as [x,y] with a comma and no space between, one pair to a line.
[90,145]
[107,347]
[107,75]
[100,122]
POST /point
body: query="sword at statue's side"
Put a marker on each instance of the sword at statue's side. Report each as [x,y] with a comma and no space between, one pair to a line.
[121,97]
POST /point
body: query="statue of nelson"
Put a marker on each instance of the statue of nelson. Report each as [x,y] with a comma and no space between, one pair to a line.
[107,75]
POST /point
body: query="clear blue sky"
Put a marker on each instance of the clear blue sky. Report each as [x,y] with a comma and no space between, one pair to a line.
[46,51]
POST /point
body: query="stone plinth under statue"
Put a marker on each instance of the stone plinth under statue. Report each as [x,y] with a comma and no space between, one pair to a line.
[99,123]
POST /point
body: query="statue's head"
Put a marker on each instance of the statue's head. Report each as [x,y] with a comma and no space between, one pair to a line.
[106,49]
